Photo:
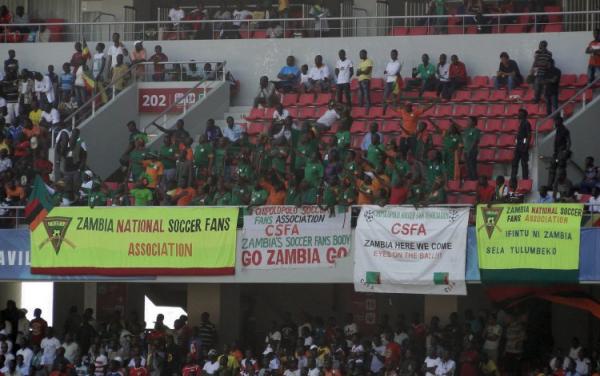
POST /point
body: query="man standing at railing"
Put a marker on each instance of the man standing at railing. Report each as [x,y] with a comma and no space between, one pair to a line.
[138,56]
[522,143]
[159,58]
[541,61]
[562,150]
[552,87]
[115,49]
[593,49]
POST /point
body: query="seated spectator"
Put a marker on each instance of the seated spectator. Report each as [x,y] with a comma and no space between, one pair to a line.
[366,141]
[266,96]
[544,198]
[590,179]
[275,30]
[304,79]
[501,190]
[280,113]
[233,132]
[329,117]
[158,59]
[319,76]
[288,76]
[485,192]
[423,76]
[212,132]
[594,201]
[15,193]
[508,74]
[593,49]
[443,78]
[458,74]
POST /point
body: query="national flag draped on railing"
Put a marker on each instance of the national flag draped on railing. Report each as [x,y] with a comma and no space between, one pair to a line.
[39,204]
[86,51]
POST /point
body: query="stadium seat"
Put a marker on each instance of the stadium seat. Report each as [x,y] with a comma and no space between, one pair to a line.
[443,111]
[452,199]
[486,155]
[418,30]
[377,113]
[498,96]
[359,112]
[494,125]
[513,109]
[546,126]
[529,96]
[431,95]
[535,109]
[486,170]
[497,110]
[323,99]
[480,96]
[511,125]
[524,186]
[399,31]
[376,97]
[443,124]
[553,28]
[354,84]
[588,95]
[377,84]
[568,80]
[472,29]
[255,128]
[453,186]
[259,34]
[505,155]
[469,186]
[582,80]
[480,110]
[306,100]
[255,114]
[506,141]
[391,126]
[479,82]
[566,94]
[516,29]
[355,142]
[462,110]
[293,111]
[467,199]
[306,113]
[359,127]
[488,140]
[437,140]
[268,113]
[289,100]
[462,96]
[553,9]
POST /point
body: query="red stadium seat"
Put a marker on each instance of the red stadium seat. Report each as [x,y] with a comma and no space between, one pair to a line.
[486,155]
[323,99]
[255,128]
[293,111]
[306,100]
[582,80]
[524,186]
[443,124]
[306,113]
[453,199]
[480,96]
[553,28]
[462,110]
[505,155]
[498,96]
[512,109]
[568,80]
[268,113]
[566,94]
[462,96]
[453,186]
[377,84]
[488,140]
[255,114]
[289,100]
[359,127]
[516,29]
[443,111]
[511,125]
[480,110]
[589,95]
[437,140]
[377,113]
[418,30]
[260,34]
[546,126]
[354,84]
[535,109]
[493,125]
[391,126]
[469,186]
[359,112]
[430,95]
[497,110]
[399,30]
[479,82]
[529,96]
[506,141]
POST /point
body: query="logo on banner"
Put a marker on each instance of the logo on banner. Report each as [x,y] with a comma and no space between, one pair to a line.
[369,216]
[491,216]
[56,228]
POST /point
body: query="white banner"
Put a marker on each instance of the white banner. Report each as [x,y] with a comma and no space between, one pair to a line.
[290,237]
[411,251]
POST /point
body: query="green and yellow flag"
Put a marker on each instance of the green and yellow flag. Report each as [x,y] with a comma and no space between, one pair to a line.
[529,242]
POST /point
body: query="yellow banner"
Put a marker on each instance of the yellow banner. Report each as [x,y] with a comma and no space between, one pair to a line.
[135,241]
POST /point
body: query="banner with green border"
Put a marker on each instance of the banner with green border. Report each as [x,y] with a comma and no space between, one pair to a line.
[137,241]
[529,242]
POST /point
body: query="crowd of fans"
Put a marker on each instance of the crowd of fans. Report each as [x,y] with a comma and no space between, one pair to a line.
[486,343]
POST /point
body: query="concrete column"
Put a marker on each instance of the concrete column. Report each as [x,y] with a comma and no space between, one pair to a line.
[66,294]
[231,314]
[90,292]
[440,306]
[204,298]
[10,291]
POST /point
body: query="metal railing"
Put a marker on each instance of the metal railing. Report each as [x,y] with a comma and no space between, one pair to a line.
[302,27]
[183,101]
[12,216]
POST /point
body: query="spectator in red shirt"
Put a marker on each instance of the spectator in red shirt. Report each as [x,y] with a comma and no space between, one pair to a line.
[485,192]
[190,368]
[399,193]
[458,74]
[138,369]
[42,166]
[77,59]
[392,351]
[593,49]
[159,69]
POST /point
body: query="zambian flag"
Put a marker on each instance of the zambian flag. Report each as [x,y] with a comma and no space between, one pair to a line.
[85,52]
[39,204]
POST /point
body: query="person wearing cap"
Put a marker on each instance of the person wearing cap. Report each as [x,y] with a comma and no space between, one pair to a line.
[211,366]
[138,56]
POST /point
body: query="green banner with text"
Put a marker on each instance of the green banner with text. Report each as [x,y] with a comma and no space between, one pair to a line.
[529,242]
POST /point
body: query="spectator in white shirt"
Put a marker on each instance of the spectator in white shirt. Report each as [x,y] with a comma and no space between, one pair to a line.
[5,161]
[115,49]
[328,118]
[26,353]
[344,70]
[304,79]
[176,14]
[391,73]
[233,132]
[320,11]
[446,366]
[49,346]
[43,88]
[594,201]
[318,77]
[443,76]
[266,96]
[582,364]
[431,363]
[71,348]
[50,116]
[280,113]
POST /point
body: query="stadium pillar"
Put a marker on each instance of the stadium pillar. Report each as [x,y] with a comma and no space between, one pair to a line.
[440,306]
[90,291]
[204,298]
[10,291]
[66,295]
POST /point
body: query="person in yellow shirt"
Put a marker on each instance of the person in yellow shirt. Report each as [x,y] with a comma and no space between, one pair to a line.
[154,170]
[365,70]
[284,8]
[35,115]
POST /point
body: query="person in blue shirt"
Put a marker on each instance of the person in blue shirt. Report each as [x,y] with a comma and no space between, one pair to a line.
[289,76]
[66,81]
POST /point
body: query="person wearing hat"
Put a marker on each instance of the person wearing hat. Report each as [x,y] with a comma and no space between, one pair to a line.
[211,367]
[138,56]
